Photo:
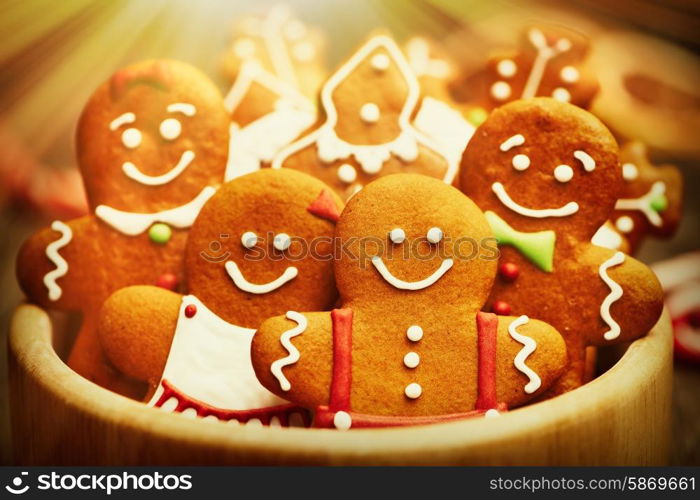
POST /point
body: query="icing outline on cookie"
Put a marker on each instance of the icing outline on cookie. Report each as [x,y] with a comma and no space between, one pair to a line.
[615,293]
[378,263]
[643,203]
[293,353]
[259,289]
[52,252]
[536,213]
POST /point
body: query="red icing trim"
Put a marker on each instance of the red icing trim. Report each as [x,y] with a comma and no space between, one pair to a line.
[342,360]
[157,74]
[282,412]
[487,329]
[324,206]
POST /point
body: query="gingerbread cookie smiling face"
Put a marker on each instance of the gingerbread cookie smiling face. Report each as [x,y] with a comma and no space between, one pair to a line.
[547,176]
[366,131]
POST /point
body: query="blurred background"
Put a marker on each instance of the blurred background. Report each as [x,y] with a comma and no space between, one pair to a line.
[54,54]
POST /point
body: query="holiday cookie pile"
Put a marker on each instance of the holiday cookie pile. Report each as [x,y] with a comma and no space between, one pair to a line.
[388,243]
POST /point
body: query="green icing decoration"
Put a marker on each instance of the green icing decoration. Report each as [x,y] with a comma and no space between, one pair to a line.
[537,247]
[477,116]
[160,233]
[659,203]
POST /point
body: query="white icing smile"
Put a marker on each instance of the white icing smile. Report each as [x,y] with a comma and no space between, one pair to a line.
[538,213]
[411,285]
[133,172]
[235,274]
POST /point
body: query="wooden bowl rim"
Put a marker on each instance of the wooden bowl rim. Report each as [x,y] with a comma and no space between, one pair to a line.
[31,346]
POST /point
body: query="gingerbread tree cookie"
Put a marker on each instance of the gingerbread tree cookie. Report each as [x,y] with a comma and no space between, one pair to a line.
[261,246]
[550,63]
[408,344]
[152,146]
[650,202]
[366,130]
[547,175]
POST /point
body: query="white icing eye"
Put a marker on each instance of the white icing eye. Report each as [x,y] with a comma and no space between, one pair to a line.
[282,241]
[131,138]
[563,173]
[369,112]
[380,62]
[506,68]
[249,239]
[569,74]
[170,129]
[624,224]
[561,94]
[629,172]
[434,235]
[397,235]
[521,162]
[500,91]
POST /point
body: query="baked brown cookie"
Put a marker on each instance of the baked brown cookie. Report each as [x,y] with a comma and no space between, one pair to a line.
[261,246]
[152,145]
[547,175]
[408,344]
[549,63]
[366,129]
[650,203]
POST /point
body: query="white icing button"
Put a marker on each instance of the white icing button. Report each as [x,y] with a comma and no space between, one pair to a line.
[561,94]
[303,51]
[434,235]
[563,173]
[249,239]
[397,235]
[347,173]
[170,129]
[500,91]
[369,112]
[563,44]
[411,360]
[342,421]
[131,138]
[414,333]
[282,241]
[629,171]
[413,391]
[506,68]
[492,413]
[624,224]
[521,162]
[569,74]
[380,62]
[244,48]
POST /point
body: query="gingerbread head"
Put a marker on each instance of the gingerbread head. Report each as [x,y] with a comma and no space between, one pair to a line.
[408,344]
[550,63]
[547,176]
[366,131]
[261,245]
[650,202]
[152,146]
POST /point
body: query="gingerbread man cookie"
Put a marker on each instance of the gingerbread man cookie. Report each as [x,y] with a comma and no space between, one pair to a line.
[366,131]
[266,115]
[650,202]
[408,344]
[261,246]
[547,175]
[550,63]
[283,45]
[152,146]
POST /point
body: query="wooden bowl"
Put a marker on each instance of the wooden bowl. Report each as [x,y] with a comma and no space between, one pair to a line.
[620,418]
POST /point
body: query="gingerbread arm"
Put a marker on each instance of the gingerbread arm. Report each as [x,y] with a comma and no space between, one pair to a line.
[531,355]
[629,297]
[287,352]
[51,264]
[136,328]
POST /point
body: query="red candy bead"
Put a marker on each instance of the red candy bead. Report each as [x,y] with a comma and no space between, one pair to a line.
[190,310]
[509,271]
[501,308]
[167,281]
